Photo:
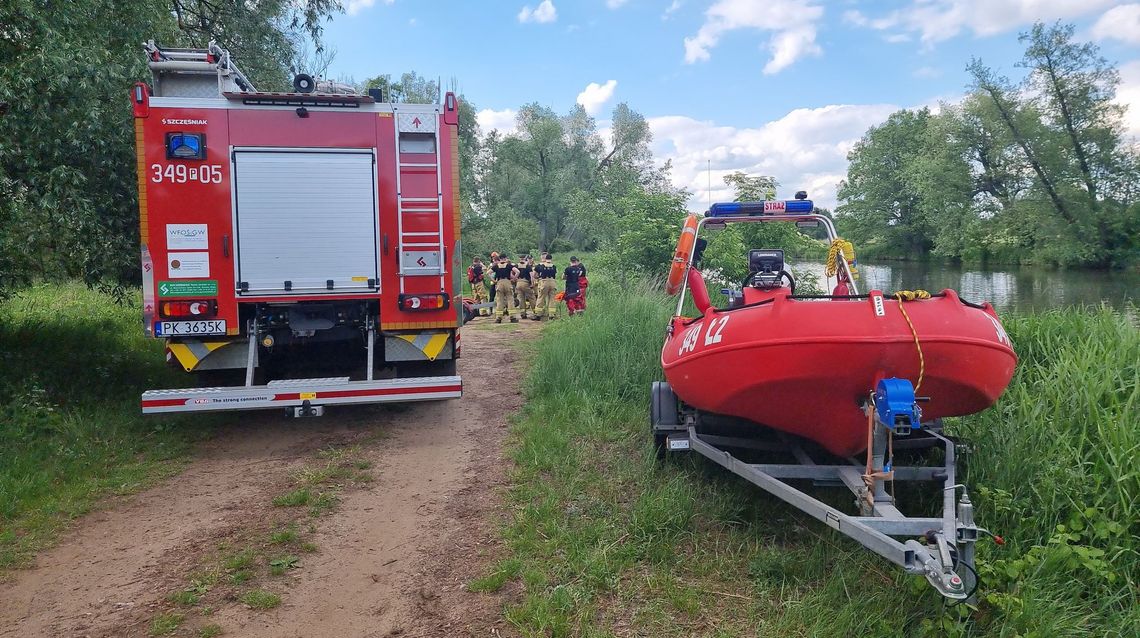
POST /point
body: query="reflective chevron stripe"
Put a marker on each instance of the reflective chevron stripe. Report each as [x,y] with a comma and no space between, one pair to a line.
[430,343]
[191,351]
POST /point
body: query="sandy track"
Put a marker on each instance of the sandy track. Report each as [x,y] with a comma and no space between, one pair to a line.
[392,558]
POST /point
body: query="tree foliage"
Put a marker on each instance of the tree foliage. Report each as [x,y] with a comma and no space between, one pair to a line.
[559,185]
[67,190]
[1036,171]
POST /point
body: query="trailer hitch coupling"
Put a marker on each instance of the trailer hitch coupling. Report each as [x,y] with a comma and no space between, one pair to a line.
[939,569]
[306,409]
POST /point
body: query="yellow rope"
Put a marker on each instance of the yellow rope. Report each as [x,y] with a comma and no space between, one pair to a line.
[911,295]
[837,248]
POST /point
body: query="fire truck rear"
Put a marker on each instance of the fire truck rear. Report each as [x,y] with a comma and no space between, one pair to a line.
[298,249]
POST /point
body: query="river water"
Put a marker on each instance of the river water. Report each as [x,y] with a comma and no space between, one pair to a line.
[1006,287]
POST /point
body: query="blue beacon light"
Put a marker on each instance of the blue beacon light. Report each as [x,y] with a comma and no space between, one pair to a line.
[778,207]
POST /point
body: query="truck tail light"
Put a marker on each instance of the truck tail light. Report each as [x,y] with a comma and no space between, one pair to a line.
[436,301]
[189,309]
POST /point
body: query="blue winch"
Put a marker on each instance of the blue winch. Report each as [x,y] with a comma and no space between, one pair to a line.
[895,405]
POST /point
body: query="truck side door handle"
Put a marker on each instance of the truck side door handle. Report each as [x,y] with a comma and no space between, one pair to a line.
[226,246]
[384,241]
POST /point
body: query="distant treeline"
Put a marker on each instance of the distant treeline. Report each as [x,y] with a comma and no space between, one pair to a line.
[1035,172]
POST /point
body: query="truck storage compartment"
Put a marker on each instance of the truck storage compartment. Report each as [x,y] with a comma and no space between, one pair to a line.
[305,221]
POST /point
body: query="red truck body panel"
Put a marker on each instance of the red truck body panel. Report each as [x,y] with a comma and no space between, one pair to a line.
[187,217]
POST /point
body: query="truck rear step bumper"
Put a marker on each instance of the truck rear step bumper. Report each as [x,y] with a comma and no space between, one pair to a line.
[294,392]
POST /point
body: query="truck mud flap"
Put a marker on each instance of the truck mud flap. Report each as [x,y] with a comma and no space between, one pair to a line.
[295,392]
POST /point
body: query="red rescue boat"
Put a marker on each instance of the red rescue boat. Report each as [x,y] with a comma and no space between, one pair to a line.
[806,365]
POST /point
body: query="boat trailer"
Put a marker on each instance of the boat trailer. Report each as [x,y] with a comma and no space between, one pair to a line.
[945,557]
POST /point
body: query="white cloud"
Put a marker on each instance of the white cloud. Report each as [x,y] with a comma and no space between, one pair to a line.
[1119,23]
[806,149]
[938,20]
[544,12]
[504,121]
[595,95]
[787,43]
[615,4]
[672,8]
[1128,94]
[352,7]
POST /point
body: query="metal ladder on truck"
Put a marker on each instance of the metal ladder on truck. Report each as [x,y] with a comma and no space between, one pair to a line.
[422,250]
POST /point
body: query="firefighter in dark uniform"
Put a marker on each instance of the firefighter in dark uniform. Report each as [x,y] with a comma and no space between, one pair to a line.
[575,276]
[524,287]
[475,276]
[546,274]
[503,272]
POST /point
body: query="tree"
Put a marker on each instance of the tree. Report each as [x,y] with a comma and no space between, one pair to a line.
[411,88]
[880,199]
[67,186]
[1077,88]
[757,188]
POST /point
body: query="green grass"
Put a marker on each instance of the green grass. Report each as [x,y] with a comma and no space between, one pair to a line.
[210,631]
[239,560]
[260,599]
[287,534]
[605,540]
[296,498]
[72,366]
[166,624]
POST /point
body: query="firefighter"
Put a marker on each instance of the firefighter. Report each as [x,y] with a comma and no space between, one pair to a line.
[504,272]
[547,287]
[475,276]
[524,287]
[494,258]
[575,276]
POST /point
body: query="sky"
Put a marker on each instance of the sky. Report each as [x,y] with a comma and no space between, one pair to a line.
[774,87]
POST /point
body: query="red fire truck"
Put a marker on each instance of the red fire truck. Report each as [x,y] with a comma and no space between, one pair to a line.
[298,249]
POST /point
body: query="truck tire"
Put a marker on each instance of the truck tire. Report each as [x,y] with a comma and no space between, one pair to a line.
[664,415]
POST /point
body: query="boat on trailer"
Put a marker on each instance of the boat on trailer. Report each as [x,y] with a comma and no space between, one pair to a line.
[835,382]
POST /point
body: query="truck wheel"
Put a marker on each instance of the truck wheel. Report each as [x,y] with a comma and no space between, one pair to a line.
[664,415]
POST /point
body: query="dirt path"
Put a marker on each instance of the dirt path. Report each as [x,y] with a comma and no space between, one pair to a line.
[390,560]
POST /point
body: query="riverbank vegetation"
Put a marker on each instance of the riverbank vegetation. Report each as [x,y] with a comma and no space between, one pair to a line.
[1039,171]
[73,364]
[603,539]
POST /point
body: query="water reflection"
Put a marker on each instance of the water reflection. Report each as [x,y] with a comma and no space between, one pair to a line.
[1006,287]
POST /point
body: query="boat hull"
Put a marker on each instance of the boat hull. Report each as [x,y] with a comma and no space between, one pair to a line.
[806,367]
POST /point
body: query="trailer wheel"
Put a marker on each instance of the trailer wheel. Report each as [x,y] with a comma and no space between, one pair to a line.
[664,415]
